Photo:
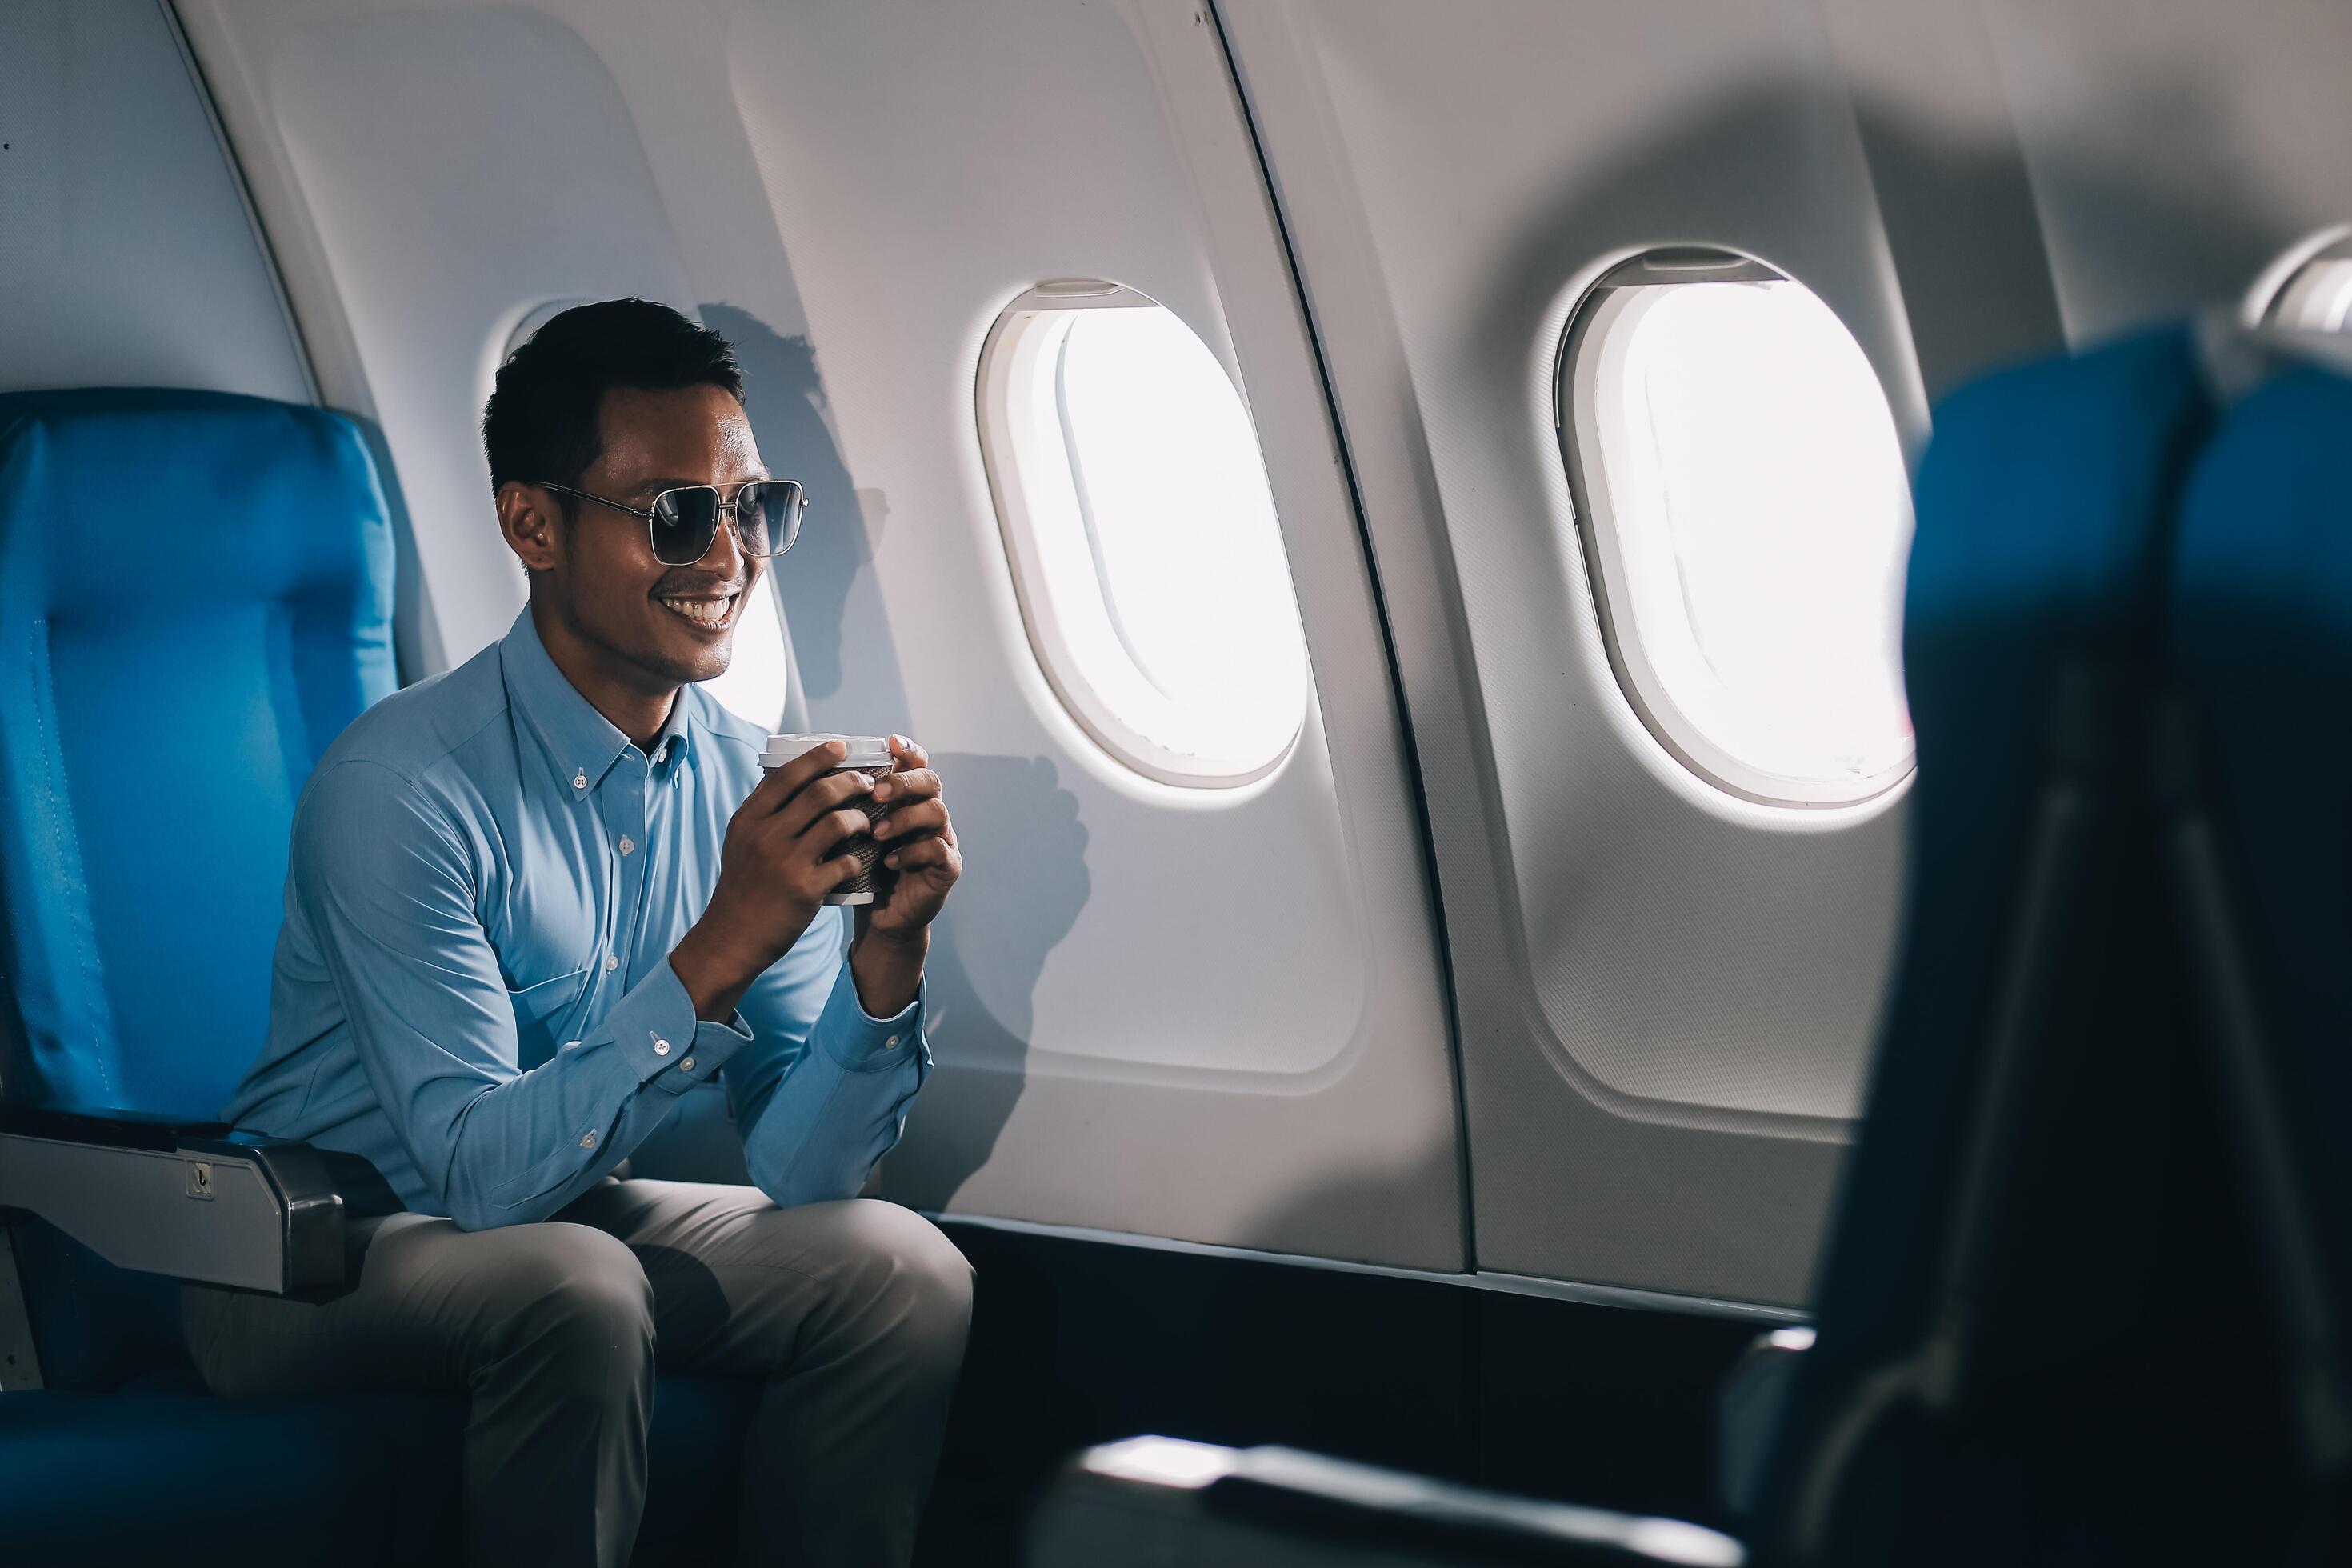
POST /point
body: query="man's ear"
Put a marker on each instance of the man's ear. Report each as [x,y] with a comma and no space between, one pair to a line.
[533,529]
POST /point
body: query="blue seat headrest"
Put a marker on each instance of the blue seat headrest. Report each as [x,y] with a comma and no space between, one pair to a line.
[196,597]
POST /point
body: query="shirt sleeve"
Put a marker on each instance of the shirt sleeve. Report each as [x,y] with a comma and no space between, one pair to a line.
[821,1093]
[389,887]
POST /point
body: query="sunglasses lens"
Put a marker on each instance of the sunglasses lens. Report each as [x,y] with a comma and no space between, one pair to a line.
[684,521]
[769,513]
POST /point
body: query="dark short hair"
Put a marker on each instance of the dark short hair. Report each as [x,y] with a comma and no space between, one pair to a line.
[540,425]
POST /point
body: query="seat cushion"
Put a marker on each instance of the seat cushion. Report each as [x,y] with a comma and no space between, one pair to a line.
[164,1472]
[196,597]
[173,1475]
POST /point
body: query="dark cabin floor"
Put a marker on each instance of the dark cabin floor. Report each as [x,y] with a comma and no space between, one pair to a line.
[1077,1342]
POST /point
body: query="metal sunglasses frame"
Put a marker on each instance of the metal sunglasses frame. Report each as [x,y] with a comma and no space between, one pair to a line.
[725,510]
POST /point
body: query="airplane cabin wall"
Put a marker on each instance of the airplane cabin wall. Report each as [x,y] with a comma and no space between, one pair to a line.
[1667,997]
[1212,1014]
[1216,1016]
[1667,993]
[2177,146]
[127,254]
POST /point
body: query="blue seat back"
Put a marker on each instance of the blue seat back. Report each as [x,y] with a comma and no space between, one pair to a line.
[2029,612]
[196,597]
[2037,1160]
[2261,608]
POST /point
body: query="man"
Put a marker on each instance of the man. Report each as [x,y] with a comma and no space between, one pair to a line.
[534,901]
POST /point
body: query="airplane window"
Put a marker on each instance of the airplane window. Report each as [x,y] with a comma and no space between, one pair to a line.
[2315,296]
[1145,551]
[1747,516]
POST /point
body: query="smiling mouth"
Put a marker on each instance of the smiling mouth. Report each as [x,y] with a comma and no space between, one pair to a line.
[710,613]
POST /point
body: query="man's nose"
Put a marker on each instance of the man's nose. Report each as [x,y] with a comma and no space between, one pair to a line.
[726,551]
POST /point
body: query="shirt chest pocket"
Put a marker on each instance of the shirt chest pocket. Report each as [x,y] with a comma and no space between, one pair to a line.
[540,1011]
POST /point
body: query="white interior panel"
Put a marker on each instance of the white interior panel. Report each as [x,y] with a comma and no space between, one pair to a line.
[127,257]
[461,169]
[2176,145]
[1667,997]
[1668,993]
[1209,1014]
[1215,1009]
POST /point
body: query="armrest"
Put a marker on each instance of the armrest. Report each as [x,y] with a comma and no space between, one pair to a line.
[195,1201]
[1195,1505]
[1747,1413]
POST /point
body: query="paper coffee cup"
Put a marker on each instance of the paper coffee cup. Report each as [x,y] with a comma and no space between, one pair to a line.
[867,754]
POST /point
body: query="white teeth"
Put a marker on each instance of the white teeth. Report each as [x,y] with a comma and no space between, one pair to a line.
[711,614]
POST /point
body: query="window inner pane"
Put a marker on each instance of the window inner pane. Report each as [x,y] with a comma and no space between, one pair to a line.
[1187,553]
[1755,496]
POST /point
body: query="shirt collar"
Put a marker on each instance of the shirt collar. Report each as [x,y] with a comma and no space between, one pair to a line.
[580,744]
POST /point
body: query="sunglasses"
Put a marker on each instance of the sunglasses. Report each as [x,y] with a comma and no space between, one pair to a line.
[683,522]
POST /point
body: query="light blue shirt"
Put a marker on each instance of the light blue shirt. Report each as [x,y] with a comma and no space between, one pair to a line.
[472,986]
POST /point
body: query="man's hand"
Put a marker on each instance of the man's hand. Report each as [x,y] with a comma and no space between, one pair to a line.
[775,868]
[919,843]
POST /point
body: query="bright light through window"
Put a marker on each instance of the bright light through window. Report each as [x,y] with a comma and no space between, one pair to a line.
[1143,539]
[1748,519]
[753,687]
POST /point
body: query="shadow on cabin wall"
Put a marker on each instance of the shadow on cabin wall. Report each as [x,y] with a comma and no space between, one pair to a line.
[1025,878]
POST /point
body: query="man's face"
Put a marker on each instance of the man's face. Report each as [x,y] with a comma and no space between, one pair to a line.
[669,623]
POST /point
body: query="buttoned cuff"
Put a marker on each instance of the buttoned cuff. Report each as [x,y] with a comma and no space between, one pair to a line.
[859,1042]
[655,1028]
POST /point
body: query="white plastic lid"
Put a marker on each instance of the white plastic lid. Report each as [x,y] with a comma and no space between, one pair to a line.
[864,751]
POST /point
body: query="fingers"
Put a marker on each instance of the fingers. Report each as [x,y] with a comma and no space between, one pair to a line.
[816,877]
[818,838]
[829,794]
[916,818]
[909,754]
[909,783]
[788,781]
[936,857]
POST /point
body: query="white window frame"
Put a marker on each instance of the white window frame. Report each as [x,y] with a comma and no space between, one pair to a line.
[1577,376]
[2306,288]
[1026,455]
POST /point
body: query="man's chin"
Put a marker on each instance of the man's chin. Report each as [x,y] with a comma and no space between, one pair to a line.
[709,665]
[686,661]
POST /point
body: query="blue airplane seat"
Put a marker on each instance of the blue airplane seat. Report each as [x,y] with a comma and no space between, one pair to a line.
[2261,842]
[195,598]
[2004,1351]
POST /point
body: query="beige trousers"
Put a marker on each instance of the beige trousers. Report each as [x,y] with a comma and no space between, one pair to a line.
[853,1314]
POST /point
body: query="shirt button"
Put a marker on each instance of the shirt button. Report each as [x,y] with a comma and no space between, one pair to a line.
[686,1066]
[579,781]
[628,847]
[612,962]
[588,1138]
[661,1048]
[891,1043]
